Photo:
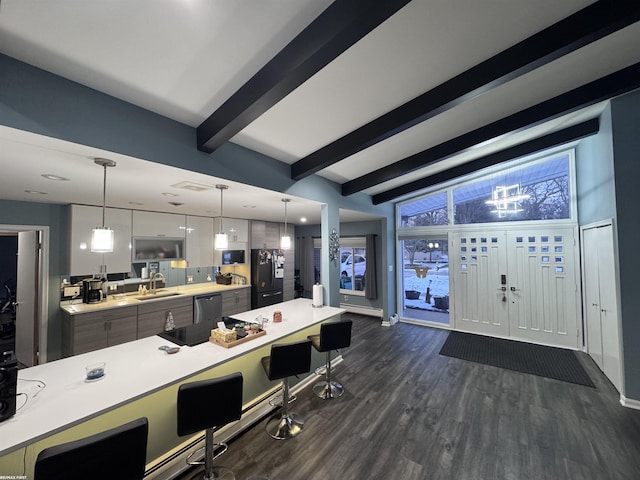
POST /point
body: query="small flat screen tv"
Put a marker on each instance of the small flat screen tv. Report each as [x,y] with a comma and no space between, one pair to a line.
[231,257]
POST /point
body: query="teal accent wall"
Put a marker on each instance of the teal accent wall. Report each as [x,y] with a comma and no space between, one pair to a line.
[385,253]
[595,186]
[626,147]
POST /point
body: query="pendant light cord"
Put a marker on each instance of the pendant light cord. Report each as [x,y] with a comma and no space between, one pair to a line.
[104,194]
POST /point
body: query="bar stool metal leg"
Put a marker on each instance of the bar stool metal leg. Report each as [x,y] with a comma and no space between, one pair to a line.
[328,388]
[285,425]
[210,472]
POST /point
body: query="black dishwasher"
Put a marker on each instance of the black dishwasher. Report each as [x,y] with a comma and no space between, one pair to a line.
[207,308]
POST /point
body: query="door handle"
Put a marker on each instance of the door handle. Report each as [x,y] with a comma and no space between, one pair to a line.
[513,289]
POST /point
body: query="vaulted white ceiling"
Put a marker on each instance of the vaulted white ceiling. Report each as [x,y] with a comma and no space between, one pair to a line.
[184,59]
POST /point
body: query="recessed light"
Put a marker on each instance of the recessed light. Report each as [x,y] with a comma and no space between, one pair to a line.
[168,194]
[303,219]
[35,192]
[50,176]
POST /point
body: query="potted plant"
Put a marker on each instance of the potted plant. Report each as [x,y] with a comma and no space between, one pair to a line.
[412,292]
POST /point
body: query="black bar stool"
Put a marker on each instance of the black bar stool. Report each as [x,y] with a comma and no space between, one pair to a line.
[207,405]
[286,359]
[333,335]
[120,453]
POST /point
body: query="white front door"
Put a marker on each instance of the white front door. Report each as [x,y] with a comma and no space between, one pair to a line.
[520,284]
[479,262]
[543,286]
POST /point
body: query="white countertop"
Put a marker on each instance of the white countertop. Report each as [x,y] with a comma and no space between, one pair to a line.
[131,299]
[133,370]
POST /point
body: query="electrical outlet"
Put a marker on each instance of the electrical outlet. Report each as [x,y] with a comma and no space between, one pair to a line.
[71,291]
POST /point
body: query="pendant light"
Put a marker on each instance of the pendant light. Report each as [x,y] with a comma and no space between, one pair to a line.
[285,241]
[222,239]
[102,237]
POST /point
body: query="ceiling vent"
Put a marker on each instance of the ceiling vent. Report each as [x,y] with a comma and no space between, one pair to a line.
[192,186]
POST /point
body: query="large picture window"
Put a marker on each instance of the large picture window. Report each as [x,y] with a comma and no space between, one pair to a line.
[536,191]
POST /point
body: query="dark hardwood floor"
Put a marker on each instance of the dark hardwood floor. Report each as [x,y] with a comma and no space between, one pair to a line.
[409,413]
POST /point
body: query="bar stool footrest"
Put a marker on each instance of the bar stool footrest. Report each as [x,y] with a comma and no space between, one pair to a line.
[216,446]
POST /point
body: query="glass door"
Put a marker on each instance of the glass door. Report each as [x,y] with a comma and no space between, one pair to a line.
[425,279]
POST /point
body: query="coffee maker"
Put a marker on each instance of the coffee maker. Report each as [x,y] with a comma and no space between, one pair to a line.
[92,290]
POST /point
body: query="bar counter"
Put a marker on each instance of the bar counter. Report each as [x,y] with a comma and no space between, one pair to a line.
[140,380]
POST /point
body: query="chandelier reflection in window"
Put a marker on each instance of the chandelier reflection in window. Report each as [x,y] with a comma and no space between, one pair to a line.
[507,200]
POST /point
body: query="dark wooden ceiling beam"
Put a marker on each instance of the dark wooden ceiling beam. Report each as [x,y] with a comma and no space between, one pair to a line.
[334,31]
[583,27]
[605,88]
[566,135]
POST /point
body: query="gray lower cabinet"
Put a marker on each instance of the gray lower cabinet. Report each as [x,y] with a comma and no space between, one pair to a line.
[86,332]
[153,316]
[236,301]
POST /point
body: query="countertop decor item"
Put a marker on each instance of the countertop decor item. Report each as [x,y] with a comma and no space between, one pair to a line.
[225,340]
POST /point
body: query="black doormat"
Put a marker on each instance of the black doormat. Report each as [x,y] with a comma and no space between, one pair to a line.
[540,360]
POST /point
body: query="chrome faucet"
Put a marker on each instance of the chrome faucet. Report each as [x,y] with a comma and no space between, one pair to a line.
[152,281]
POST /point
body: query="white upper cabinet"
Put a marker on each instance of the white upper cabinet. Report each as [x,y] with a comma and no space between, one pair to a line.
[199,241]
[154,224]
[236,228]
[84,219]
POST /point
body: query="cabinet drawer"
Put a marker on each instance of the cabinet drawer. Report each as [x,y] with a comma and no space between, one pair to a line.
[102,315]
[169,304]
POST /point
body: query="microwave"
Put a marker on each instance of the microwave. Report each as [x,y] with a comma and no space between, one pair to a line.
[231,257]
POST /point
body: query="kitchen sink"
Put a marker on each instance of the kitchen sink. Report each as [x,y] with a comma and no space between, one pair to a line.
[151,296]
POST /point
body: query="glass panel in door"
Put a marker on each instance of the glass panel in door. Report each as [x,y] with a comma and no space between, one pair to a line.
[425,279]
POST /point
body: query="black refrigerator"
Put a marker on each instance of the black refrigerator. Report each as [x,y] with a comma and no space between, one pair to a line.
[267,272]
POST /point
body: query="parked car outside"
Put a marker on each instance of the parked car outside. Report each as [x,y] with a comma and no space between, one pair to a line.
[352,265]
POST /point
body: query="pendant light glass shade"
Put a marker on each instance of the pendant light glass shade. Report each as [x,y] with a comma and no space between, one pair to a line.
[221,241]
[102,238]
[285,240]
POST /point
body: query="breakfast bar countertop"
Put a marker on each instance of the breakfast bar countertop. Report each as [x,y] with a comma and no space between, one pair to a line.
[133,370]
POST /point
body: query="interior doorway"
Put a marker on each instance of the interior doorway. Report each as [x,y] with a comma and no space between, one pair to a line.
[24,330]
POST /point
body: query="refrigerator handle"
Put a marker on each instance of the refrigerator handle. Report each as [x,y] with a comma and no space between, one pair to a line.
[273,270]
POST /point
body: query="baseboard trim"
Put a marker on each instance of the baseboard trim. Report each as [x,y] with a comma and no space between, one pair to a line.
[173,463]
[629,402]
[371,311]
